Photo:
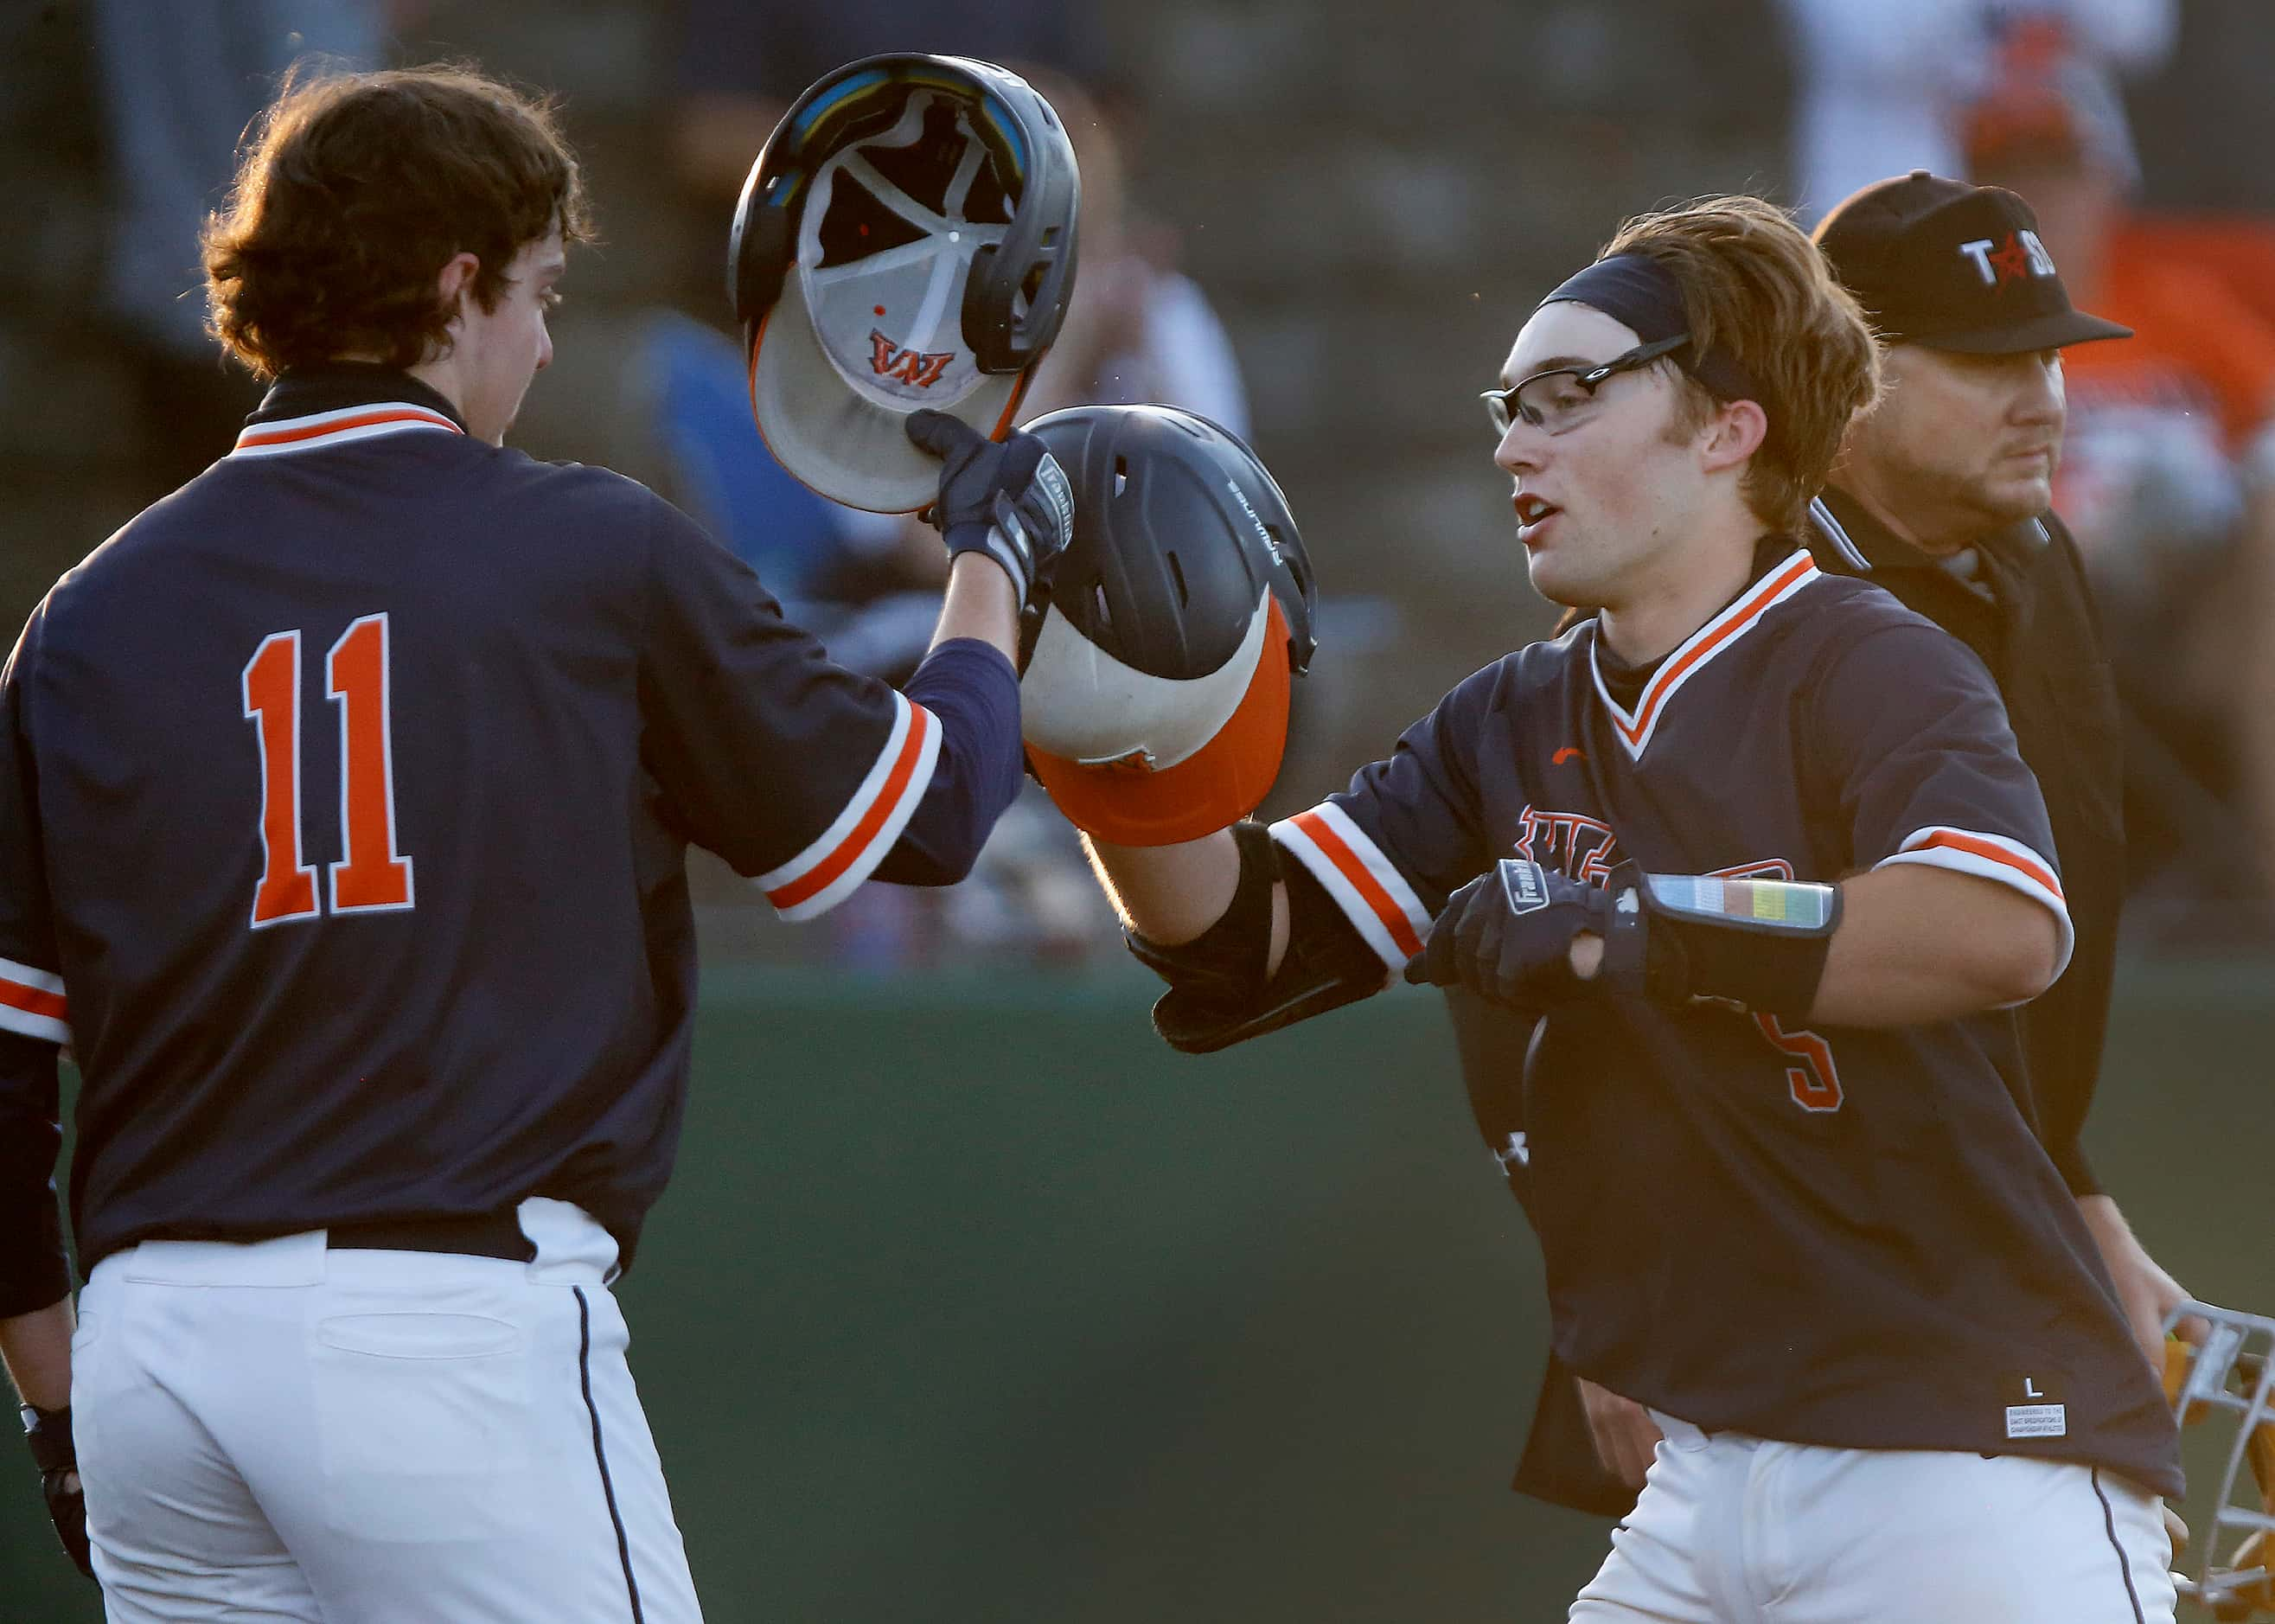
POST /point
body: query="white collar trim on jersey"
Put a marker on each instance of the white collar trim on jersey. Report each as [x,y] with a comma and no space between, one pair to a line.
[337,427]
[1691,656]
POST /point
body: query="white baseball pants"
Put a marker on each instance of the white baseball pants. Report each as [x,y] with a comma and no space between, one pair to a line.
[281,1432]
[1733,1529]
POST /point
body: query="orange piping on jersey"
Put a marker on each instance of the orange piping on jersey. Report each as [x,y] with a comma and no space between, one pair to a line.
[820,877]
[1991,853]
[32,999]
[1795,571]
[1353,869]
[258,436]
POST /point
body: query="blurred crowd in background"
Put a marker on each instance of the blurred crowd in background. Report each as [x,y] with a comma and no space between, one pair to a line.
[1315,225]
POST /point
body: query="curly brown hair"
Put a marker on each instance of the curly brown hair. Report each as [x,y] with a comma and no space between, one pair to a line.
[1756,288]
[354,192]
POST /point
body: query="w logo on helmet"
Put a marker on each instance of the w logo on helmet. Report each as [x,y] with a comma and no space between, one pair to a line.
[888,360]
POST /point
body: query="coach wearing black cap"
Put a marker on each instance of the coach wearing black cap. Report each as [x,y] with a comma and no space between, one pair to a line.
[1942,495]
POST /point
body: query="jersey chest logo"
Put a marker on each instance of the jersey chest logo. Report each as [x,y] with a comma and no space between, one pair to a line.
[1574,844]
[1584,849]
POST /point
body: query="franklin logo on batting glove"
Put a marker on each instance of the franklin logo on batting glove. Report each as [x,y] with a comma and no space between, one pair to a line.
[1008,498]
[1522,882]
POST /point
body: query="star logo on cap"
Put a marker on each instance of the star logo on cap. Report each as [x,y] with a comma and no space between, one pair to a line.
[2018,257]
[2011,259]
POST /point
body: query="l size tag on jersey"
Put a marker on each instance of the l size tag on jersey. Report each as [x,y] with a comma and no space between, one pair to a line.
[2035,1404]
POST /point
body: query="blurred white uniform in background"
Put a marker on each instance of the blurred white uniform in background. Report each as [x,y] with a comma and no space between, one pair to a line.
[1876,83]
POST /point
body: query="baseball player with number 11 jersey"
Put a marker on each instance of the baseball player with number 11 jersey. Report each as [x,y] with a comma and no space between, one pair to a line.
[344,803]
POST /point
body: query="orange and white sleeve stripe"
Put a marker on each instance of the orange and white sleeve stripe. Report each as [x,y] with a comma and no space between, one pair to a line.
[32,1003]
[848,851]
[1364,883]
[1991,856]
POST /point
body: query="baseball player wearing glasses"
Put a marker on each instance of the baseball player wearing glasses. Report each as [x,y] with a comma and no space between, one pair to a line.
[1758,839]
[1941,495]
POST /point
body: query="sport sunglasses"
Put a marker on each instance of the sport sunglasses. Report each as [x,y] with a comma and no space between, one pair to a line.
[1564,396]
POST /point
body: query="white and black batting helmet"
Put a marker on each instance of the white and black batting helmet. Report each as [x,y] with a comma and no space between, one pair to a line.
[905,240]
[1156,686]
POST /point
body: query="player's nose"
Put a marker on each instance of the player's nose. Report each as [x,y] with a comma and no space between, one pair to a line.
[1521,450]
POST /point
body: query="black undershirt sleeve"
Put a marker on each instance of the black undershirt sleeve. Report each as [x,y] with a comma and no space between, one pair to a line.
[35,1270]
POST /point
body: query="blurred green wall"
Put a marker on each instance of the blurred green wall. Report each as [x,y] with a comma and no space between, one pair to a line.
[973,1302]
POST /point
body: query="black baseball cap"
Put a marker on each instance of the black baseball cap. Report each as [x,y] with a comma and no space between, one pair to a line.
[1951,266]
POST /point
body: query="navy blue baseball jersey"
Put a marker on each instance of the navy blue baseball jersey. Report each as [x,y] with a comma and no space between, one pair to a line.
[344,797]
[1850,1236]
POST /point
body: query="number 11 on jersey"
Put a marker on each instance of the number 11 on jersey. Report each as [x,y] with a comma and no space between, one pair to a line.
[372,876]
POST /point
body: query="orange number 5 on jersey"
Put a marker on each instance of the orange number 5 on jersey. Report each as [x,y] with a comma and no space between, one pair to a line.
[1815,1083]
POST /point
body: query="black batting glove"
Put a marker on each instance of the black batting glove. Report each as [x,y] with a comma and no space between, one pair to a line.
[48,1431]
[1009,499]
[1508,935]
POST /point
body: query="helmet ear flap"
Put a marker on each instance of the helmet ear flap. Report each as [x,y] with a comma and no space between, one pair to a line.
[986,315]
[1034,263]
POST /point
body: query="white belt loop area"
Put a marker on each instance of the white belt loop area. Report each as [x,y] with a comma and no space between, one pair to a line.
[572,1248]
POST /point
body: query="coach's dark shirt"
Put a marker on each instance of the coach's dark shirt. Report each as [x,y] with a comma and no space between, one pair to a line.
[2019,598]
[344,796]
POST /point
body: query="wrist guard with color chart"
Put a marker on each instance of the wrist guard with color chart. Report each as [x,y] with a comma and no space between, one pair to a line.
[1672,938]
[1218,991]
[1761,943]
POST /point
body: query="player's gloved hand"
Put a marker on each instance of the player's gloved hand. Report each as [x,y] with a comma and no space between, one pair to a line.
[48,1431]
[1508,935]
[1009,499]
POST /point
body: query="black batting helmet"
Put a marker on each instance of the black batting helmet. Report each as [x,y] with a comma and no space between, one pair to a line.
[1154,698]
[905,240]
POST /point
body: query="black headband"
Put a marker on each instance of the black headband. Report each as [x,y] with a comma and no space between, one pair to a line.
[1638,291]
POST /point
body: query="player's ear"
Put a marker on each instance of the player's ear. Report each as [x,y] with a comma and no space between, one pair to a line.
[455,282]
[1734,433]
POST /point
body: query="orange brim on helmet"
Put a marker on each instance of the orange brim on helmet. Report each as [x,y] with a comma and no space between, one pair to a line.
[1231,727]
